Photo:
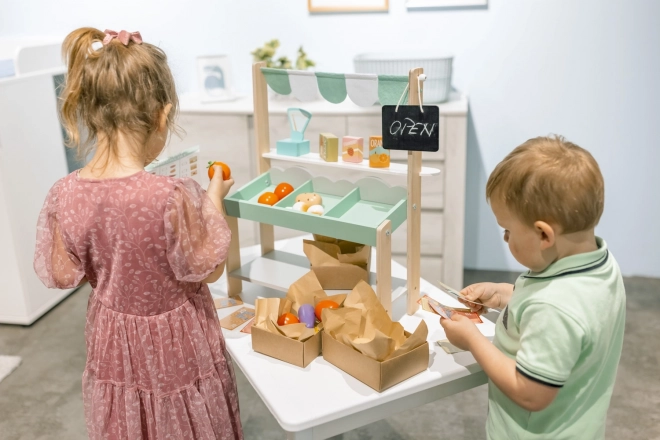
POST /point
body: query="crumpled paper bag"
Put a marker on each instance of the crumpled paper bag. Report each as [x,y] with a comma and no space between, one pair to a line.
[364,325]
[267,310]
[306,290]
[338,264]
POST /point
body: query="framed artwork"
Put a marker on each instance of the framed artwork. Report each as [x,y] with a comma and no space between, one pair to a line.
[421,4]
[215,78]
[348,5]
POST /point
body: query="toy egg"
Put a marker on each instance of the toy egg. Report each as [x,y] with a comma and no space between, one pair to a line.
[309,198]
[316,209]
[306,315]
[300,206]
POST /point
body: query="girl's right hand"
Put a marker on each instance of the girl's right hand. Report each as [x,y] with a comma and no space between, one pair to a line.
[495,295]
[219,188]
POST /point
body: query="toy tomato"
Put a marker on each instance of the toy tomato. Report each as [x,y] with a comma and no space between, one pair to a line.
[283,189]
[324,304]
[226,171]
[268,198]
[287,318]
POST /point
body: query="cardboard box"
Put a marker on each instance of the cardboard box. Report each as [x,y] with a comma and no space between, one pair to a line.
[378,375]
[352,149]
[292,343]
[286,349]
[329,147]
[338,265]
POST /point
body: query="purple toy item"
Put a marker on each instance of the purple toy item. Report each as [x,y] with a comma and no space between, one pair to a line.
[306,315]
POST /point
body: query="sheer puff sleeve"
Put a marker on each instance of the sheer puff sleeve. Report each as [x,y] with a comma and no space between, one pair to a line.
[55,265]
[197,234]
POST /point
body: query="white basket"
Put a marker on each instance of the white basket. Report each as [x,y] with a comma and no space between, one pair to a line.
[437,69]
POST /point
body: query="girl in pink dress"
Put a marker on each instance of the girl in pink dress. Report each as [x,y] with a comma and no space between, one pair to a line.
[157,366]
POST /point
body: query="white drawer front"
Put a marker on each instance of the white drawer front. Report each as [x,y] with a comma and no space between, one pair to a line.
[430,267]
[219,137]
[433,187]
[432,235]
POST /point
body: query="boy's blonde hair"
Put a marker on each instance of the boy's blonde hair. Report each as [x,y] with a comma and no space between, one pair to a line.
[552,180]
[114,88]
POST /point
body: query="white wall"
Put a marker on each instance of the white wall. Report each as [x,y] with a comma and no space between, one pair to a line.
[588,69]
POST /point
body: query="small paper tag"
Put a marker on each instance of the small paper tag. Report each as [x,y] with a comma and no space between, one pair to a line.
[236,319]
[248,328]
[223,303]
[448,347]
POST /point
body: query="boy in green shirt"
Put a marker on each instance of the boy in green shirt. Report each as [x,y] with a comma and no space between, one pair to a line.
[553,361]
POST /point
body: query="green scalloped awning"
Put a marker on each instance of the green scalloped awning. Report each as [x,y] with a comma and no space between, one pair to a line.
[364,90]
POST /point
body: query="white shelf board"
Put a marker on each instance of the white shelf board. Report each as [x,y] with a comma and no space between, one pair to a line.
[315,159]
[279,269]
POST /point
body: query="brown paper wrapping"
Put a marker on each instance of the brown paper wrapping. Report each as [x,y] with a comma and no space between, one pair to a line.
[364,325]
[267,310]
[338,264]
[306,290]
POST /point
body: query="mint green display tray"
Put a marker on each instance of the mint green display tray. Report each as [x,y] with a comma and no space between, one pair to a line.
[353,211]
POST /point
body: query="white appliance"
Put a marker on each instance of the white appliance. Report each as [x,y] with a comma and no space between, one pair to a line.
[32,158]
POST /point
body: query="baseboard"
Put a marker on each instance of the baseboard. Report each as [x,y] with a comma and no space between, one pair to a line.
[58,296]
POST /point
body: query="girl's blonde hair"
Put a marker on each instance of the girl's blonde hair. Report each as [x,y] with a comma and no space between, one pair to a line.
[112,89]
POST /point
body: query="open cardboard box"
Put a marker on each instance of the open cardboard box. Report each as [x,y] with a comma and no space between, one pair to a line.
[363,341]
[378,375]
[268,338]
[338,264]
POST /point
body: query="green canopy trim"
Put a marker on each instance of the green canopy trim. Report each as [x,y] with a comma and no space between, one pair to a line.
[363,89]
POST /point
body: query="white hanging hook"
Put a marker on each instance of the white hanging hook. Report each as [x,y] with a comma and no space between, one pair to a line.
[420,79]
[402,95]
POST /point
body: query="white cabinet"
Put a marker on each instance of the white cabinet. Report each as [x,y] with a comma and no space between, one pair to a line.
[224,131]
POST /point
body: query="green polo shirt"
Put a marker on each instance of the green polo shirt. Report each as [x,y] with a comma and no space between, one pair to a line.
[564,328]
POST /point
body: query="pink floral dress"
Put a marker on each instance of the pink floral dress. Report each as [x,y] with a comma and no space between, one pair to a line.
[157,366]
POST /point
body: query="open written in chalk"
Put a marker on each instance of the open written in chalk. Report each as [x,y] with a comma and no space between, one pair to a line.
[409,128]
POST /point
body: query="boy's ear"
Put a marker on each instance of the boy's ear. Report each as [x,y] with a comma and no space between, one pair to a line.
[546,233]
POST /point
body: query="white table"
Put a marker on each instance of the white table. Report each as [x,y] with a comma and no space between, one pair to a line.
[346,403]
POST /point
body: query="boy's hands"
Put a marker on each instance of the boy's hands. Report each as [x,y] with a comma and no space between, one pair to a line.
[460,331]
[495,295]
[218,188]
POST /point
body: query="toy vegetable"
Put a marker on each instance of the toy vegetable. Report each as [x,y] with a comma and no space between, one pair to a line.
[226,171]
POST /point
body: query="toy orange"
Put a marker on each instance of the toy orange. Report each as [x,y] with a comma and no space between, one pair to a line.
[325,304]
[268,198]
[283,189]
[226,171]
[287,318]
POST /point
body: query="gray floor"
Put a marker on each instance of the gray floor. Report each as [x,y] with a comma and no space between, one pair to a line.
[41,399]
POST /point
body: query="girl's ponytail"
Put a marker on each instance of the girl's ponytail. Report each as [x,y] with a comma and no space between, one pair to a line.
[76,49]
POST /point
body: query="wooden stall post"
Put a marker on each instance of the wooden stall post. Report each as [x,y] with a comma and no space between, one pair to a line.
[414,204]
[234,285]
[384,265]
[262,143]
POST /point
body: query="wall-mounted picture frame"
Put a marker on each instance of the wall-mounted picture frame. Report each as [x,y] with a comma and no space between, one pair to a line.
[423,4]
[348,5]
[215,78]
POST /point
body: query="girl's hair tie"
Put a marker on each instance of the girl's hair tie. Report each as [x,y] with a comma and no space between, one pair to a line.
[124,37]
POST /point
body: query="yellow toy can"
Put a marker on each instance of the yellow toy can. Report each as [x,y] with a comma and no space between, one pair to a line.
[379,157]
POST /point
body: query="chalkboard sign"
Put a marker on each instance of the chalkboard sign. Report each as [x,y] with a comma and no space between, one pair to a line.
[408,128]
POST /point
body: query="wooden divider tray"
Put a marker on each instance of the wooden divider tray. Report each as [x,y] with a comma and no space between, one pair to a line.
[353,211]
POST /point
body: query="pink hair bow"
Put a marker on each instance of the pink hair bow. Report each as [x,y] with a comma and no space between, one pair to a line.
[124,37]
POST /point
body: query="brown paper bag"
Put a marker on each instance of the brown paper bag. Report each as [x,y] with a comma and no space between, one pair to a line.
[338,265]
[364,325]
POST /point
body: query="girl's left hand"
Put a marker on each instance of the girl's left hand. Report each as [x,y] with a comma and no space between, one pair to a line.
[460,331]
